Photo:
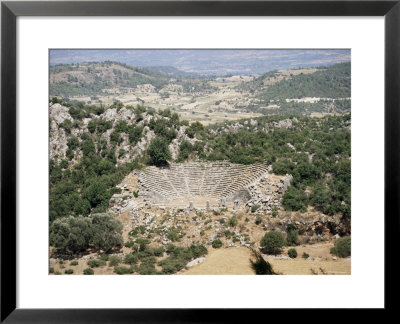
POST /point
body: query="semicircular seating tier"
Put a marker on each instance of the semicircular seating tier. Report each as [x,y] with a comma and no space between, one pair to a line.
[208,179]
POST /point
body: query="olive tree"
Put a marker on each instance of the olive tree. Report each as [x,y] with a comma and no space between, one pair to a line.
[70,234]
[73,234]
[106,231]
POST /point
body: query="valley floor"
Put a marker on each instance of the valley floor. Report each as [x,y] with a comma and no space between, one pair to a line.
[235,261]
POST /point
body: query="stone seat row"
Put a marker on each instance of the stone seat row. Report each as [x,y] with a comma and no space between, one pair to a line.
[218,180]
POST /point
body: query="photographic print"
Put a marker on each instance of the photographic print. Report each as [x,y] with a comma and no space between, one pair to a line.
[199,161]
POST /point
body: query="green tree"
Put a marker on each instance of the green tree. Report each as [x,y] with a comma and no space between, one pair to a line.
[272,242]
[104,167]
[159,152]
[82,207]
[320,197]
[70,234]
[295,199]
[342,247]
[194,128]
[292,253]
[184,150]
[97,193]
[92,126]
[106,231]
[292,237]
[88,148]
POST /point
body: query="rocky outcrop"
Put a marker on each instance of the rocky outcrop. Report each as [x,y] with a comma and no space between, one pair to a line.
[195,262]
[266,194]
[317,227]
[59,137]
[59,113]
[176,142]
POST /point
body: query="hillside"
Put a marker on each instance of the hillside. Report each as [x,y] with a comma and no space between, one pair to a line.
[91,79]
[331,82]
[173,72]
[144,188]
[312,91]
[103,145]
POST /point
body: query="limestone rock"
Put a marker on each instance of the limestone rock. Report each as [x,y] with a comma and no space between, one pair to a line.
[195,262]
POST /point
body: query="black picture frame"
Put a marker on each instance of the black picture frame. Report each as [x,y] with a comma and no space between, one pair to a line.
[9,13]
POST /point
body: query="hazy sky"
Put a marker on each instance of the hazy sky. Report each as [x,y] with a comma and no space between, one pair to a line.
[208,61]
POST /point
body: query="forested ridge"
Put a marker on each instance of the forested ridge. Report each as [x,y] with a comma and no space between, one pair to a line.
[331,82]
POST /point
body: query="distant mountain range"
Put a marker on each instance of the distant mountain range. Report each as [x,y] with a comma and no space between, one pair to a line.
[207,62]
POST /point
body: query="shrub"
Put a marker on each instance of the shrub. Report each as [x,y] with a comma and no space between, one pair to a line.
[67,125]
[121,152]
[68,271]
[292,238]
[260,266]
[342,247]
[233,221]
[158,251]
[131,259]
[216,244]
[174,234]
[129,244]
[88,271]
[114,261]
[305,255]
[258,220]
[104,257]
[172,264]
[198,250]
[171,248]
[51,270]
[92,126]
[96,263]
[272,242]
[254,208]
[123,270]
[74,263]
[147,266]
[292,253]
[180,256]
